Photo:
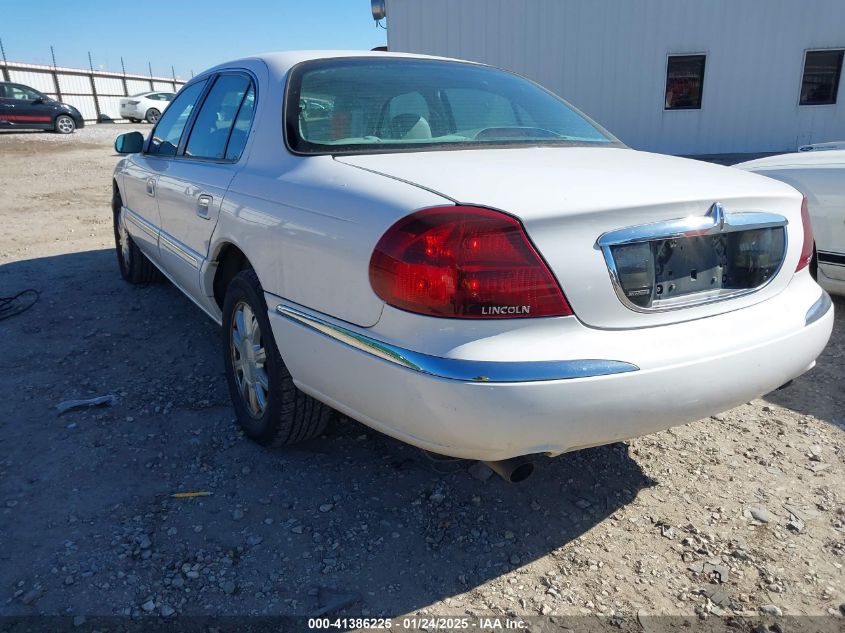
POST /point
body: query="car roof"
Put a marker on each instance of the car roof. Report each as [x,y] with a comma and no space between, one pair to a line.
[279,63]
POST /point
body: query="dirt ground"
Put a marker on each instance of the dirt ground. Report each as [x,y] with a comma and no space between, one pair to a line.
[737,516]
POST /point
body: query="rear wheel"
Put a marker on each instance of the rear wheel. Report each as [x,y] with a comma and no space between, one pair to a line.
[65,124]
[135,267]
[153,115]
[271,410]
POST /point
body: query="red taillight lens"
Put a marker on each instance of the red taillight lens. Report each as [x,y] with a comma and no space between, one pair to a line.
[464,262]
[807,248]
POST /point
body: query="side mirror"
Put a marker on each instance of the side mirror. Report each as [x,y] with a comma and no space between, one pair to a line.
[38,100]
[129,143]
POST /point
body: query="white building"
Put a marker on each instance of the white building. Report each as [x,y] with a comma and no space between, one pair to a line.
[674,76]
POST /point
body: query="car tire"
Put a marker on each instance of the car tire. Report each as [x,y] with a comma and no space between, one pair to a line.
[152,116]
[64,124]
[135,267]
[270,409]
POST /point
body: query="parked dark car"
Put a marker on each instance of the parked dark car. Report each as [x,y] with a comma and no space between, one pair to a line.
[22,107]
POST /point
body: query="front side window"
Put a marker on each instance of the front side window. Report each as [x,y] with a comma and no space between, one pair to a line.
[170,126]
[820,81]
[22,93]
[684,82]
[216,118]
[369,105]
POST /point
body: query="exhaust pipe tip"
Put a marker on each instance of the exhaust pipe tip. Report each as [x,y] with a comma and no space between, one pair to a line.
[514,470]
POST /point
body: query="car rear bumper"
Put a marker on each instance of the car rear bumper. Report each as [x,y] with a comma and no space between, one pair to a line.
[131,113]
[634,382]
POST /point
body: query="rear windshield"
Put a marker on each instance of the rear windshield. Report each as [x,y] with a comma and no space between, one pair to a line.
[384,105]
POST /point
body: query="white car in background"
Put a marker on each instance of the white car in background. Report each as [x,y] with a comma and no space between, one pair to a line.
[454,256]
[817,171]
[145,106]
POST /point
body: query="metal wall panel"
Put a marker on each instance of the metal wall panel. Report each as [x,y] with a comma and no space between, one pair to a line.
[82,103]
[110,106]
[609,59]
[108,86]
[43,82]
[74,84]
[135,86]
[164,86]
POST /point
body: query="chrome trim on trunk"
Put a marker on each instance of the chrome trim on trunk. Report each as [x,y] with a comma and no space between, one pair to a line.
[716,221]
[459,369]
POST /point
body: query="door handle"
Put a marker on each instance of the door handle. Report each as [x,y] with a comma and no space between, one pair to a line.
[204,205]
[151,186]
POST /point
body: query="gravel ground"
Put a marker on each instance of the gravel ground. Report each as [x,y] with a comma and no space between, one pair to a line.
[739,515]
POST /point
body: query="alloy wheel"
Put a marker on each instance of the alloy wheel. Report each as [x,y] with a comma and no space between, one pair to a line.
[123,241]
[248,359]
[65,124]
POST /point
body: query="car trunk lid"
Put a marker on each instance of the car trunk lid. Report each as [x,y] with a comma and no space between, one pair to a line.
[569,198]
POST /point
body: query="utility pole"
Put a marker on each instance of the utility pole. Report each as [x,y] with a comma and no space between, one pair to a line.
[5,68]
[123,68]
[94,87]
[55,74]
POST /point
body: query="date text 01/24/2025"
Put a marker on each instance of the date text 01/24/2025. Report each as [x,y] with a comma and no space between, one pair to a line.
[420,623]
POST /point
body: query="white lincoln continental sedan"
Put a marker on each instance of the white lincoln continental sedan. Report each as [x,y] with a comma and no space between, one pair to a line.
[456,257]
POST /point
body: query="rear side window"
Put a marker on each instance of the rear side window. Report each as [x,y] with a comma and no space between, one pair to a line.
[172,123]
[216,119]
[243,122]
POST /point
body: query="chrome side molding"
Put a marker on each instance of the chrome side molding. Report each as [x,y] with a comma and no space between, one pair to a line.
[176,247]
[818,309]
[140,223]
[458,369]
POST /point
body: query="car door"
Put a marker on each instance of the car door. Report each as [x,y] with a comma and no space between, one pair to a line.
[6,107]
[825,190]
[26,107]
[191,190]
[141,172]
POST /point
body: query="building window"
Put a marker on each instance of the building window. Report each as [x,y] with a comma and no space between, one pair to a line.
[821,77]
[684,82]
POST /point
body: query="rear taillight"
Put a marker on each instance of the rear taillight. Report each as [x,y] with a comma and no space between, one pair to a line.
[807,248]
[464,262]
